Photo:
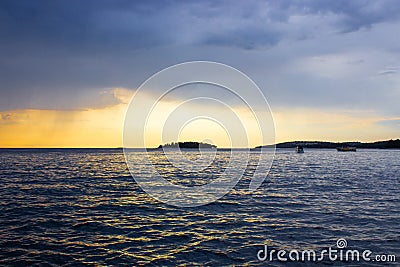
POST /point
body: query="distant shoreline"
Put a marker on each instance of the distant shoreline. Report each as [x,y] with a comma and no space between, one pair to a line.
[119,149]
[389,144]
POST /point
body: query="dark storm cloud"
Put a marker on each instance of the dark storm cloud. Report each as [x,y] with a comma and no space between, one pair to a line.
[356,14]
[55,52]
[91,26]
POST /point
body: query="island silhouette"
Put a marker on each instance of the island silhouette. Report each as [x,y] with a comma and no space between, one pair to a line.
[188,145]
[389,144]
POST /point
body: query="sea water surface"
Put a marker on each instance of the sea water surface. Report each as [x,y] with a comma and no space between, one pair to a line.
[72,207]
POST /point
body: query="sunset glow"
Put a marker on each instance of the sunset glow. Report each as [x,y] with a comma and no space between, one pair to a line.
[102,127]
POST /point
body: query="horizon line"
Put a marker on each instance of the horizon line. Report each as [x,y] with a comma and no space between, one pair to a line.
[121,147]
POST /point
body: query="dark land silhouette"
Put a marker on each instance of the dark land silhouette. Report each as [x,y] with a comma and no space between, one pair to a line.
[390,144]
[188,145]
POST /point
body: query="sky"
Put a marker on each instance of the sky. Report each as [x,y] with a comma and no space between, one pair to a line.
[330,70]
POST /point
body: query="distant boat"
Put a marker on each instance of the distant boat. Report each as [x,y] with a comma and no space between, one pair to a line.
[299,149]
[346,149]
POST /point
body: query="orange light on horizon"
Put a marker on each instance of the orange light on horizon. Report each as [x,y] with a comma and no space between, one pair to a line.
[102,127]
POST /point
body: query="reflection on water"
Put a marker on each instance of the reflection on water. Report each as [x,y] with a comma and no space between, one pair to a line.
[83,207]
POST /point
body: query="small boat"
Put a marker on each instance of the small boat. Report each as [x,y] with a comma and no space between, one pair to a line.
[346,149]
[299,149]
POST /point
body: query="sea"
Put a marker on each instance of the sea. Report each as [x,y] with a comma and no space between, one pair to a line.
[82,207]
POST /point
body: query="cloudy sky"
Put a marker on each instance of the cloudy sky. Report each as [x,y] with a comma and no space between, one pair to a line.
[330,70]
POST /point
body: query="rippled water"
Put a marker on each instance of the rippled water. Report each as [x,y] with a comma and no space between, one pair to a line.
[75,207]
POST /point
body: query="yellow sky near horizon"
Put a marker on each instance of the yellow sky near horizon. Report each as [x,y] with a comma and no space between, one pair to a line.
[103,127]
